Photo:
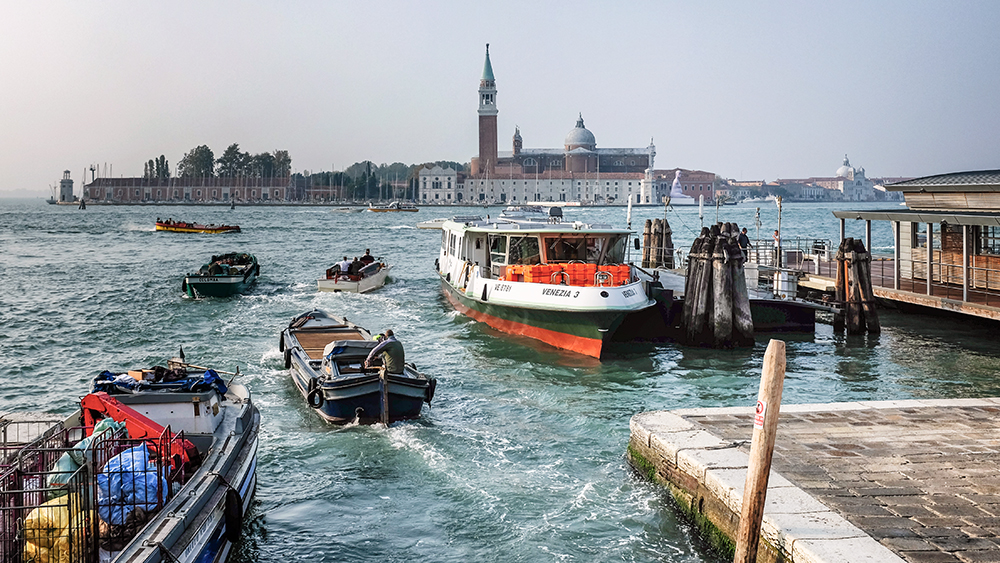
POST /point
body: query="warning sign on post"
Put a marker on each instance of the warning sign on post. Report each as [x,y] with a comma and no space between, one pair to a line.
[758,417]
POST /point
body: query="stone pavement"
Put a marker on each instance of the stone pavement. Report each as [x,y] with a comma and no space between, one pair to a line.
[922,477]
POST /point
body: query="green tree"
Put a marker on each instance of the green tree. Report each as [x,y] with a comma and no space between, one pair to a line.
[199,161]
[162,168]
[262,165]
[282,163]
[233,162]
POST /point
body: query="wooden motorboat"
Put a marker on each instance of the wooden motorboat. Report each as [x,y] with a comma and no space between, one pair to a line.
[224,275]
[372,276]
[145,471]
[183,227]
[325,357]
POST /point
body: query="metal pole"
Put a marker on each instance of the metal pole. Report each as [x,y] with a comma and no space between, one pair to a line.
[930,255]
[896,256]
[965,263]
[765,428]
[868,235]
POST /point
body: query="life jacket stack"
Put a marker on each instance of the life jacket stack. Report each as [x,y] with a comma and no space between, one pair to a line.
[578,274]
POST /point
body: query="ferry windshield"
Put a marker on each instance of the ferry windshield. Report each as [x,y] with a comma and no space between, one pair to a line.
[498,249]
[524,250]
[593,249]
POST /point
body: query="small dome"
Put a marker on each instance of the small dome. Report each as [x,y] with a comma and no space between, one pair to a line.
[845,170]
[579,136]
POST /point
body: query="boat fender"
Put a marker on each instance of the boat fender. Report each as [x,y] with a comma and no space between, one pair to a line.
[281,342]
[437,264]
[447,277]
[313,383]
[315,398]
[484,293]
[288,358]
[431,387]
[184,285]
[233,515]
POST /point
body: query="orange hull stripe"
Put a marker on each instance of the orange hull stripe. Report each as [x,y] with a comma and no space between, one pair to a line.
[586,346]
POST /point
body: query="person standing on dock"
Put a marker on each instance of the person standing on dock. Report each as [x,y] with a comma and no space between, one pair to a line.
[777,249]
[391,351]
[744,241]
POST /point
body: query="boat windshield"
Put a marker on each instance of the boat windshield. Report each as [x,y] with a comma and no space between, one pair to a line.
[498,249]
[524,250]
[593,249]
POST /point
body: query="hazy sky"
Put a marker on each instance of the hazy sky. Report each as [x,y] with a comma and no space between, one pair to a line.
[746,90]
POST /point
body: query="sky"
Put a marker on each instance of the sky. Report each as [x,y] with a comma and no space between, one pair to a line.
[747,90]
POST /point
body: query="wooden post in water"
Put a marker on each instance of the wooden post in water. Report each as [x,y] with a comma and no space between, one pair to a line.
[647,235]
[866,295]
[765,428]
[668,246]
[722,292]
[654,257]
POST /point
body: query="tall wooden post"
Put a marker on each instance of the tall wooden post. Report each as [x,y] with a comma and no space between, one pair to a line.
[765,427]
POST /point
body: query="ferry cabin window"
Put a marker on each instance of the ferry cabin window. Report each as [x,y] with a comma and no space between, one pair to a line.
[524,250]
[452,244]
[603,249]
[498,250]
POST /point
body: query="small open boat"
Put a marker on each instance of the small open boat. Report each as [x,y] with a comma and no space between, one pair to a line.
[370,277]
[182,227]
[145,471]
[325,357]
[224,275]
[394,206]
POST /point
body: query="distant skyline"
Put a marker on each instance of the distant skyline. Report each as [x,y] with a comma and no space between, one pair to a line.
[751,92]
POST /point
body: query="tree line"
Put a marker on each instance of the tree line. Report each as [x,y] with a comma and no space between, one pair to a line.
[361,181]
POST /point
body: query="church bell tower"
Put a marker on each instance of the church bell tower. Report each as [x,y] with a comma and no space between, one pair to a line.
[487,160]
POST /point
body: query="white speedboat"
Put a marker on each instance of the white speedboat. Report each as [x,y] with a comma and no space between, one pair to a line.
[371,277]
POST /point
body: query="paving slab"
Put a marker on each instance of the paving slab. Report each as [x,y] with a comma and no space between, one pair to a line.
[887,481]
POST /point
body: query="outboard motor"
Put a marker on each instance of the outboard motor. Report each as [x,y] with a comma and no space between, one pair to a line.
[555,214]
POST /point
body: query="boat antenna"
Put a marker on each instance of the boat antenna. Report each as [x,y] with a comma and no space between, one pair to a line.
[235,375]
[182,353]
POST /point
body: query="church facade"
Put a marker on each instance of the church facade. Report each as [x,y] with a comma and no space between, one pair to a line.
[579,171]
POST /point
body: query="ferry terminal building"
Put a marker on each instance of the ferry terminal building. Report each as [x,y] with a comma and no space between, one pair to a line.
[577,172]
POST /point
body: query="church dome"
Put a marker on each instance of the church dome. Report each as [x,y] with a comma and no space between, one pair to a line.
[579,136]
[845,170]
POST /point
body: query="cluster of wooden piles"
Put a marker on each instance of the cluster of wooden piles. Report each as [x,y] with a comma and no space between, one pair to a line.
[854,289]
[657,245]
[716,301]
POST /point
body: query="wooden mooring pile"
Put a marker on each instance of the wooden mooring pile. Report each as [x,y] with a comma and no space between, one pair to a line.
[854,289]
[657,245]
[716,300]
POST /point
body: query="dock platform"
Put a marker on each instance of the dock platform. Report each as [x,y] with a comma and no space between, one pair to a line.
[882,481]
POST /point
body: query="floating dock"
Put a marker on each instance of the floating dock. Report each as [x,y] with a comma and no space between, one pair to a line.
[883,481]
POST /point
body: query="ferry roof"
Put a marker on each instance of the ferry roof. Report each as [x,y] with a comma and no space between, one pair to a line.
[986,218]
[500,225]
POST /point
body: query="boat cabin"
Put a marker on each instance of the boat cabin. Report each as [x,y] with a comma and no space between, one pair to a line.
[494,247]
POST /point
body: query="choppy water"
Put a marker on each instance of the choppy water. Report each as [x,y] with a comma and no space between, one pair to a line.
[521,456]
